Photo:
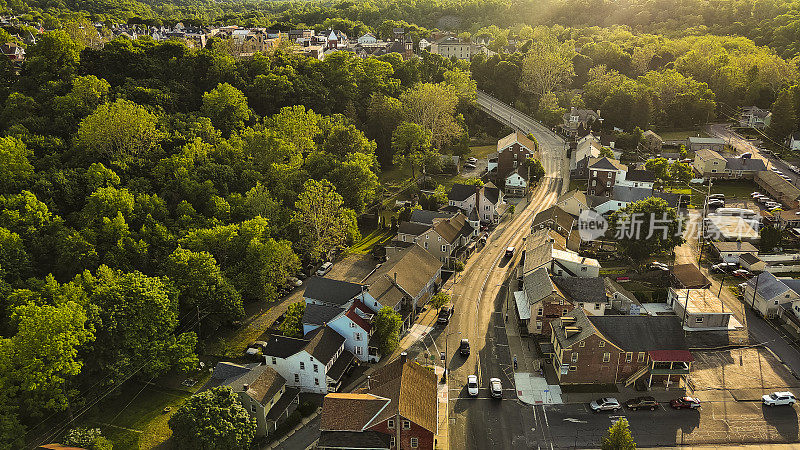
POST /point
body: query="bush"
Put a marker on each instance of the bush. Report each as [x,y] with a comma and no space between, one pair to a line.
[458,266]
[307,408]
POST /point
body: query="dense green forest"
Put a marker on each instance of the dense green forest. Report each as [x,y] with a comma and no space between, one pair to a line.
[150,191]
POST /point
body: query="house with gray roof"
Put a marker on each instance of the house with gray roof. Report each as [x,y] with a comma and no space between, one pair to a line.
[539,302]
[588,293]
[314,363]
[622,196]
[486,200]
[766,293]
[261,390]
[620,349]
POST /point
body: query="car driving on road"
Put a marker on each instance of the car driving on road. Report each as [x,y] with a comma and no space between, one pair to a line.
[463,349]
[685,403]
[472,385]
[496,387]
[605,404]
[642,403]
[444,314]
[779,398]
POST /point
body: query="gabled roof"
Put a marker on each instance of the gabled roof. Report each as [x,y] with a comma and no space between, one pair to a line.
[613,287]
[631,194]
[283,346]
[705,140]
[537,285]
[706,154]
[641,333]
[646,176]
[581,322]
[689,276]
[745,164]
[323,343]
[580,196]
[749,258]
[331,291]
[414,229]
[734,246]
[768,285]
[385,291]
[262,382]
[367,440]
[492,193]
[412,390]
[516,137]
[352,314]
[320,314]
[588,290]
[556,214]
[460,192]
[422,216]
[606,163]
[412,269]
[350,412]
[224,370]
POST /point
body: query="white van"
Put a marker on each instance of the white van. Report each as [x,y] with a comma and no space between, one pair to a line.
[324,268]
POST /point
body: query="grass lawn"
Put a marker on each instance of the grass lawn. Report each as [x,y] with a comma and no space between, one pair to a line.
[396,175]
[142,422]
[369,240]
[577,185]
[676,135]
[481,151]
[733,189]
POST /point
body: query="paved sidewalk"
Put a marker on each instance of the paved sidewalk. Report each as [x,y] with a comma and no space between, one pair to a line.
[443,396]
[530,383]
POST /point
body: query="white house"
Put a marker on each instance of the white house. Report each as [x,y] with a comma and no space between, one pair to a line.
[368,38]
[573,202]
[353,324]
[516,183]
[588,146]
[423,44]
[570,264]
[794,141]
[730,251]
[486,200]
[314,363]
[341,294]
[771,293]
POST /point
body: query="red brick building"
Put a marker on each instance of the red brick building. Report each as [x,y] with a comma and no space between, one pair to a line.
[650,350]
[603,175]
[397,402]
[512,152]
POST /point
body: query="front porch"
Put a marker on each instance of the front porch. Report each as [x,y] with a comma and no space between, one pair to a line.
[665,369]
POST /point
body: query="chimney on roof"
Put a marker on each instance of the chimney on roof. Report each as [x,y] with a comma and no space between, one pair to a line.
[403,357]
[245,387]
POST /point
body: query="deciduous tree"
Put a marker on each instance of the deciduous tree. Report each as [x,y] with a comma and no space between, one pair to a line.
[214,419]
[387,330]
[321,219]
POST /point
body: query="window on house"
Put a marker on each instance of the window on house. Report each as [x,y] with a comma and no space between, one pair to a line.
[629,357]
[573,368]
[439,238]
[583,269]
[359,351]
[582,344]
[274,361]
[606,357]
[390,423]
[352,325]
[575,357]
[539,312]
[444,249]
[391,441]
[302,366]
[608,184]
[561,302]
[698,319]
[597,306]
[602,344]
[406,424]
[414,442]
[296,378]
[316,368]
[564,312]
[316,381]
[253,408]
[580,304]
[640,357]
[426,246]
[358,336]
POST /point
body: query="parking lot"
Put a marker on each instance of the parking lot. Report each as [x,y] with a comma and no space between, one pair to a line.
[746,373]
[353,268]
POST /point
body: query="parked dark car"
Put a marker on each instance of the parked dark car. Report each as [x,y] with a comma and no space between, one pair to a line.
[463,349]
[444,314]
[642,403]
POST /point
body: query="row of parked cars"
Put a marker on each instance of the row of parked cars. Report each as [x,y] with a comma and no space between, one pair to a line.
[612,404]
[768,203]
[731,268]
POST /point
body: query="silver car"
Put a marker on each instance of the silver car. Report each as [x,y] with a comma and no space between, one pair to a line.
[496,387]
[605,404]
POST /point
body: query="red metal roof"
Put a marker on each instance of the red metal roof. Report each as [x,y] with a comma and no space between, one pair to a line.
[352,315]
[671,355]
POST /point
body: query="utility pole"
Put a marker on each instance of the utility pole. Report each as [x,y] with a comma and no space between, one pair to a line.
[701,238]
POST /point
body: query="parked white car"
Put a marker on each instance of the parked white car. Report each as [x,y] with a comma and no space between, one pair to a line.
[472,385]
[779,398]
[324,268]
[605,404]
